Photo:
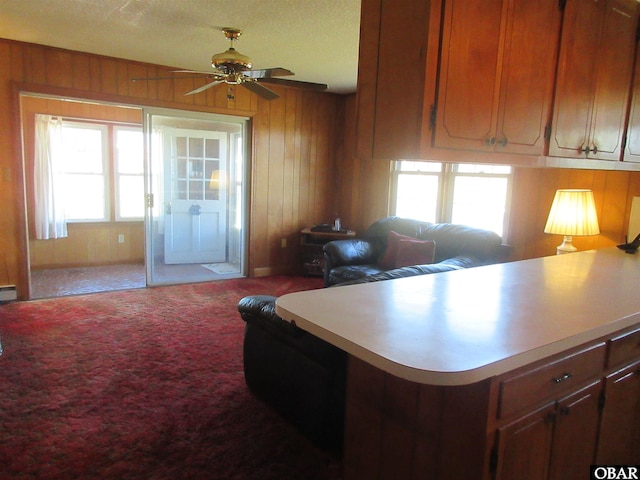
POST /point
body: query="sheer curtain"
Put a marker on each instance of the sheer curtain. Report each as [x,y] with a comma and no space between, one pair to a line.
[49,207]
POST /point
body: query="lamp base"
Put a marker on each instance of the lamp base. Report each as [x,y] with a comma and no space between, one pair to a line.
[566,246]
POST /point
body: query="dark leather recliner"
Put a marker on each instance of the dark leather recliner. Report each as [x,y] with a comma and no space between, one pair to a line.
[298,374]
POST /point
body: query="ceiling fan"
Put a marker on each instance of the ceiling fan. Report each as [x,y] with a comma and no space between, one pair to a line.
[234,68]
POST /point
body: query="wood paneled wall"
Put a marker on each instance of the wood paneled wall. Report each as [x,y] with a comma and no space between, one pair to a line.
[533,191]
[293,145]
[90,244]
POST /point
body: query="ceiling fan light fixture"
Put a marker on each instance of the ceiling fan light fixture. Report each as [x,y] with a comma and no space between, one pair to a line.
[231,61]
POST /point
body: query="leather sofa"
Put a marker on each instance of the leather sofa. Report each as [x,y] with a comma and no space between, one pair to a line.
[303,377]
[456,246]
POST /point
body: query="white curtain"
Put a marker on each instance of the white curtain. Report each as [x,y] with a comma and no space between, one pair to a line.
[49,208]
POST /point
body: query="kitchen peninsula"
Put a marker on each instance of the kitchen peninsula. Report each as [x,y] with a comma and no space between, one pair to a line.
[473,373]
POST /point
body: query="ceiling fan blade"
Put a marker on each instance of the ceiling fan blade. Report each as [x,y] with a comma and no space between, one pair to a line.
[204,87]
[199,72]
[260,90]
[167,78]
[194,74]
[268,73]
[295,83]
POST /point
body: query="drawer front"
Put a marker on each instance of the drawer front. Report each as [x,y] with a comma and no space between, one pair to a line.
[551,380]
[624,348]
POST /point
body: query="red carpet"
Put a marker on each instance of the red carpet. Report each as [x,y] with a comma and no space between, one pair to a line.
[143,384]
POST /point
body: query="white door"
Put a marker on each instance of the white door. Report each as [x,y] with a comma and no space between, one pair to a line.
[195,227]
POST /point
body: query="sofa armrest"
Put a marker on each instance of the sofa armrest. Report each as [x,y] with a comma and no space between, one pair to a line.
[261,311]
[353,251]
[350,252]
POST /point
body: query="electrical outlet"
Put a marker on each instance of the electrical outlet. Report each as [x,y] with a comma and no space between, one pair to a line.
[283,243]
[8,293]
[121,238]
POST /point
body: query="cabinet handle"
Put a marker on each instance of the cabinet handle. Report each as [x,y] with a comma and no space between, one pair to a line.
[562,378]
[490,141]
[503,143]
[550,418]
[588,150]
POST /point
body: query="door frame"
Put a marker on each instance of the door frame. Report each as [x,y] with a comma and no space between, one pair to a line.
[153,203]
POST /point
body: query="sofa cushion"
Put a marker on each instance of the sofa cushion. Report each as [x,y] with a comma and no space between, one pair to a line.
[404,226]
[388,258]
[352,272]
[415,252]
[448,265]
[453,240]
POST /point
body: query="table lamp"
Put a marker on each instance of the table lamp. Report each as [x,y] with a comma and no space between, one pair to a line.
[573,213]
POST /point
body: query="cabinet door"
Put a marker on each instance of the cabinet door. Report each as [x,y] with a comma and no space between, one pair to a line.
[576,81]
[594,78]
[497,74]
[632,150]
[467,95]
[575,434]
[525,445]
[619,443]
[392,69]
[614,67]
[528,76]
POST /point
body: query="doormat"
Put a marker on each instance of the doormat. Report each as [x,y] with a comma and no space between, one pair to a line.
[222,268]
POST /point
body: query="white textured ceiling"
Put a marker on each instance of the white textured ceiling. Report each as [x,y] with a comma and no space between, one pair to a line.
[316,39]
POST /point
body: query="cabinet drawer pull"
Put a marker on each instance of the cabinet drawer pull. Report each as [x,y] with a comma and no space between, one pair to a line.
[503,143]
[562,378]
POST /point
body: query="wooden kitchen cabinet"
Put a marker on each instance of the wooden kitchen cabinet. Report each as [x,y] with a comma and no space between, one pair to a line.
[595,66]
[396,77]
[620,428]
[556,442]
[632,148]
[524,446]
[497,73]
[619,442]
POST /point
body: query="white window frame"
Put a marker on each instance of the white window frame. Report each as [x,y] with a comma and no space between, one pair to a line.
[110,174]
[446,180]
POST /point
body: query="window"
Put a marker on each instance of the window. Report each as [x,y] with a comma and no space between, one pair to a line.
[469,194]
[84,172]
[102,172]
[129,173]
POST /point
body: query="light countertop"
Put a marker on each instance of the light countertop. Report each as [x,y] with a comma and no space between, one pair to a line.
[459,327]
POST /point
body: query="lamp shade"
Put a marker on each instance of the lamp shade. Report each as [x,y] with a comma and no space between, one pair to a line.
[573,213]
